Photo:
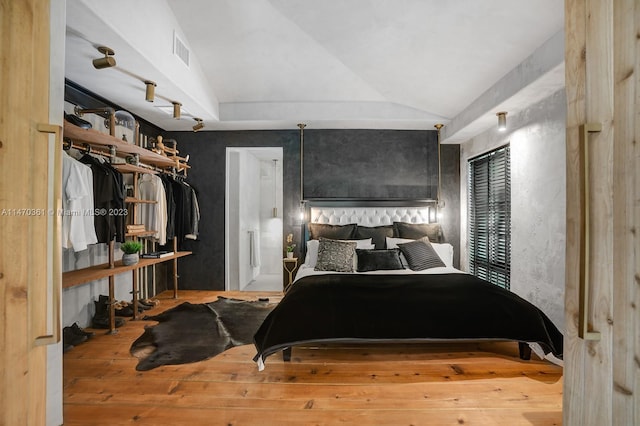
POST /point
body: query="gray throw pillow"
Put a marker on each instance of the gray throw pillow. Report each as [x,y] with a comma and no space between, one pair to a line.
[335,255]
[378,234]
[420,255]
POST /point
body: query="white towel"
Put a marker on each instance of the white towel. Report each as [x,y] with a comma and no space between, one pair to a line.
[254,249]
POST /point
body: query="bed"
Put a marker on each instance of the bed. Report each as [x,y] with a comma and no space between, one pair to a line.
[384,275]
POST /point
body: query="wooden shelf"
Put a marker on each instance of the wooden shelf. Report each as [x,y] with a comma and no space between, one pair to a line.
[141,234]
[93,137]
[92,273]
[130,168]
[139,201]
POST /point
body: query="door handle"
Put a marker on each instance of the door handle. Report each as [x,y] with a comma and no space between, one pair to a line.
[56,289]
[585,238]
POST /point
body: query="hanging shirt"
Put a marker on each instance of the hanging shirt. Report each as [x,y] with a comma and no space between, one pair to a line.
[171,206]
[78,229]
[108,198]
[192,233]
[153,215]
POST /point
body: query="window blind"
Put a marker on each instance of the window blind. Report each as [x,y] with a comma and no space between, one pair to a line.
[489,201]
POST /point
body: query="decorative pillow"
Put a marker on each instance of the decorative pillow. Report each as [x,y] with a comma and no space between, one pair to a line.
[444,250]
[375,260]
[335,255]
[420,255]
[377,233]
[418,230]
[311,257]
[334,232]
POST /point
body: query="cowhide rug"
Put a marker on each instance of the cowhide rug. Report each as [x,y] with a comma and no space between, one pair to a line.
[195,332]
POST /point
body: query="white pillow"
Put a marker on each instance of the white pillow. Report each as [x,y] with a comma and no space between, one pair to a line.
[311,257]
[444,250]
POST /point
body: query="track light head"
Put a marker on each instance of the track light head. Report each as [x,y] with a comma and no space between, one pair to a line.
[199,125]
[150,91]
[176,109]
[108,61]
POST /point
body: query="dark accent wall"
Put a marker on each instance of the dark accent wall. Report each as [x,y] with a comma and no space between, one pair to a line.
[207,150]
[370,164]
[450,214]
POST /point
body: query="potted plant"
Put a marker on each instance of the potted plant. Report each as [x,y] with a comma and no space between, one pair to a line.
[130,249]
[290,246]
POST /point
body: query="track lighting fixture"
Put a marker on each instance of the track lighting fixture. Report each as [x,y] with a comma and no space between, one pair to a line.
[151,90]
[176,110]
[108,61]
[502,121]
[199,125]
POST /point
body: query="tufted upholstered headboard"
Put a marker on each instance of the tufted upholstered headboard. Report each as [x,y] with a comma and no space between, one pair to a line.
[369,216]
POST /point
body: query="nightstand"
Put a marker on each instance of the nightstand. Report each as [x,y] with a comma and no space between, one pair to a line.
[290,264]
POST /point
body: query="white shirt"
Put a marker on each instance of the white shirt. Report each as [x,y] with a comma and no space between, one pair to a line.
[78,229]
[154,216]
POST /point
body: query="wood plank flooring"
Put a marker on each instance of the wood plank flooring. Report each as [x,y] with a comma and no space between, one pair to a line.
[419,384]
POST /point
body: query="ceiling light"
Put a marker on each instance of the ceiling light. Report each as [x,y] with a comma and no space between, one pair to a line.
[502,121]
[199,125]
[108,61]
[176,110]
[151,90]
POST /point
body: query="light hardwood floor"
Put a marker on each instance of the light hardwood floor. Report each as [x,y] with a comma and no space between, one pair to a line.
[420,384]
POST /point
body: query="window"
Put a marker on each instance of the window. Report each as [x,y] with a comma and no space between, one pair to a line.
[489,216]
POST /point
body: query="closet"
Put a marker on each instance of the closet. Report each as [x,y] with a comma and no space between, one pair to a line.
[139,161]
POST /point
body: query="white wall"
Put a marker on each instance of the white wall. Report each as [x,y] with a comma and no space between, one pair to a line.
[271,227]
[232,219]
[538,189]
[249,214]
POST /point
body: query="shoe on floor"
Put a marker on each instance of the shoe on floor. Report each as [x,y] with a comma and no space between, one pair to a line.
[143,306]
[80,331]
[71,338]
[123,311]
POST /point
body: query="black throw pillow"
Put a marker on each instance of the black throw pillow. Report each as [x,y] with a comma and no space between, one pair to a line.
[374,260]
[332,232]
[420,255]
[415,231]
[378,234]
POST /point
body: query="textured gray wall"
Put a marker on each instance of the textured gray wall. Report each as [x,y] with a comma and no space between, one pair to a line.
[538,199]
[370,164]
[450,214]
[207,150]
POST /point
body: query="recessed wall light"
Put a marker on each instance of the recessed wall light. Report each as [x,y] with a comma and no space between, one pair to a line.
[502,121]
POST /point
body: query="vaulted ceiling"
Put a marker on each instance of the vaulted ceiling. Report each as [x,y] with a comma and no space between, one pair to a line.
[265,64]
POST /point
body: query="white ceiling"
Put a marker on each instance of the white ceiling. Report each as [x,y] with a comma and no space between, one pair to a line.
[269,64]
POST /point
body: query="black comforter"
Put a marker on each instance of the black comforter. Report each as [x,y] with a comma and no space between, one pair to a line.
[356,307]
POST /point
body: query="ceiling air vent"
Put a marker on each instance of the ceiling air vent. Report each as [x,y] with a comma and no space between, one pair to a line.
[180,50]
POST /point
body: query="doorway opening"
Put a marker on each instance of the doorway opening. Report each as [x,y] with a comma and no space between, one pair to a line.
[253,219]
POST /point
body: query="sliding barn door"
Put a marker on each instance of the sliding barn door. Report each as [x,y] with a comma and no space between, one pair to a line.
[29,191]
[602,342]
